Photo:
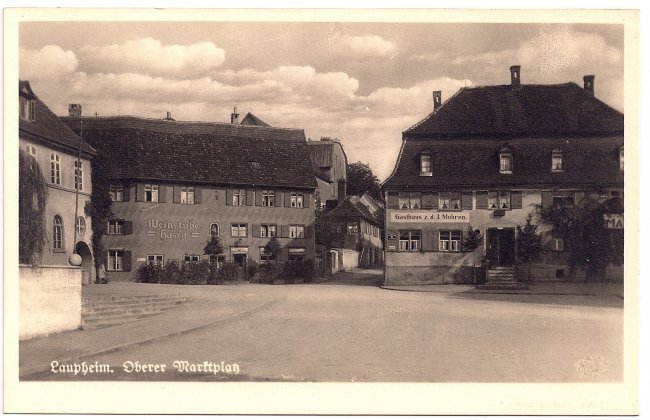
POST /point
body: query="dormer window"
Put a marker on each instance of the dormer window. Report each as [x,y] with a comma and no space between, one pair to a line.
[426,167]
[27,110]
[620,157]
[505,161]
[556,161]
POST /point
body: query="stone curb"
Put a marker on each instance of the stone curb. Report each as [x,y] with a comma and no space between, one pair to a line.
[493,292]
[31,372]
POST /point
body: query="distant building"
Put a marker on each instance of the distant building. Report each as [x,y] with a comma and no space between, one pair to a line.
[486,158]
[330,166]
[56,148]
[175,184]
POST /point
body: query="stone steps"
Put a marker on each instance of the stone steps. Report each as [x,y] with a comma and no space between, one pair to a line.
[102,312]
[501,277]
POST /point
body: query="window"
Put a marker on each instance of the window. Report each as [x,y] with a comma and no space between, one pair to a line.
[296,200]
[265,258]
[498,200]
[214,230]
[31,150]
[78,175]
[115,261]
[151,193]
[187,195]
[81,225]
[115,227]
[504,200]
[409,240]
[505,161]
[558,244]
[425,164]
[410,200]
[449,240]
[27,109]
[562,199]
[556,161]
[296,254]
[268,198]
[239,198]
[191,259]
[155,260]
[444,203]
[353,228]
[57,232]
[296,231]
[238,230]
[268,231]
[454,202]
[218,260]
[117,192]
[620,157]
[55,169]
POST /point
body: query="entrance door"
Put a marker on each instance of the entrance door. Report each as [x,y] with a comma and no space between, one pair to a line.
[501,246]
[240,260]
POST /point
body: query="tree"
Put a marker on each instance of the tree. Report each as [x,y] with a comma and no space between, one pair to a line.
[472,240]
[213,248]
[273,248]
[529,242]
[32,199]
[99,208]
[584,232]
[361,180]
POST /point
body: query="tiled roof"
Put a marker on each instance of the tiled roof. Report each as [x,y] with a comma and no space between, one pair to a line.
[352,208]
[47,127]
[471,162]
[546,110]
[200,152]
[322,156]
[251,119]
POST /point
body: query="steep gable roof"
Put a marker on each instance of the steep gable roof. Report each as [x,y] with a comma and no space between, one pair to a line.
[47,128]
[545,110]
[251,119]
[352,208]
[200,151]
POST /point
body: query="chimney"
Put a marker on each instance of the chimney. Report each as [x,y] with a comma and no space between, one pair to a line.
[234,117]
[342,190]
[169,117]
[437,100]
[589,83]
[74,110]
[515,77]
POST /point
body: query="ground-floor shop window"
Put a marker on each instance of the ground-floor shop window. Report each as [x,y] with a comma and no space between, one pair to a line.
[266,258]
[449,240]
[297,254]
[191,258]
[409,240]
[155,259]
[115,261]
[218,260]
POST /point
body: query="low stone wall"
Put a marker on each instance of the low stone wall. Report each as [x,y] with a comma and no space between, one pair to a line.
[50,300]
[441,274]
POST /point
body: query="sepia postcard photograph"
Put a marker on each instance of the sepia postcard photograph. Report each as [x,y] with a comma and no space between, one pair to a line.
[321,211]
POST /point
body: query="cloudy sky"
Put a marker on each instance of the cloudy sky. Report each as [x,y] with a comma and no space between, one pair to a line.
[363,83]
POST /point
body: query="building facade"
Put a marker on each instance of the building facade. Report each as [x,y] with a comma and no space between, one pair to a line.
[330,166]
[484,160]
[176,184]
[64,160]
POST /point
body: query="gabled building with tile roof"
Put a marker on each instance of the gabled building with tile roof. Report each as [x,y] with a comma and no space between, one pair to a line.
[175,184]
[330,166]
[64,159]
[486,158]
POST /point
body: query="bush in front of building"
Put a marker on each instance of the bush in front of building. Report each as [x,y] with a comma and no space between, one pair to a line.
[172,273]
[149,273]
[252,269]
[195,272]
[228,272]
[294,270]
[32,198]
[270,271]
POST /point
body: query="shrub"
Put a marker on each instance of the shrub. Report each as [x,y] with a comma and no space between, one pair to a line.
[228,271]
[149,273]
[214,271]
[270,271]
[172,273]
[195,272]
[307,270]
[252,268]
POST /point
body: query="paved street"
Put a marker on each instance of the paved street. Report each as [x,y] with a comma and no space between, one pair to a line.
[348,329]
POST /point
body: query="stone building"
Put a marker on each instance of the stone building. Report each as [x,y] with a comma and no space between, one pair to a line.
[330,166]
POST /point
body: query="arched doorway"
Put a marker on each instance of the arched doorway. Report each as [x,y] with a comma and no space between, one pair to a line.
[83,251]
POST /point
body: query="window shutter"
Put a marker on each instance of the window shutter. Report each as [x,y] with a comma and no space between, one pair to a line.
[177,194]
[139,192]
[393,201]
[126,192]
[250,197]
[392,245]
[578,196]
[128,227]
[162,193]
[197,195]
[278,199]
[306,200]
[429,240]
[256,231]
[516,199]
[309,231]
[258,198]
[547,199]
[427,200]
[284,231]
[466,200]
[229,197]
[126,261]
[481,199]
[287,199]
[436,240]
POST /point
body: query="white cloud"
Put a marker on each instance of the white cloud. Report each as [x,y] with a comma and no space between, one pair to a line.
[367,45]
[150,56]
[49,62]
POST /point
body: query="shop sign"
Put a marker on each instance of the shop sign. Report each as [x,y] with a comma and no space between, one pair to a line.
[613,221]
[425,217]
[239,250]
[174,229]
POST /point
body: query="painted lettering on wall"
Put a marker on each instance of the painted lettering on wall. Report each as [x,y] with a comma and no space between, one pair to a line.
[175,229]
[613,221]
[429,217]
